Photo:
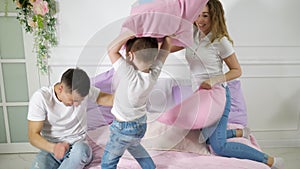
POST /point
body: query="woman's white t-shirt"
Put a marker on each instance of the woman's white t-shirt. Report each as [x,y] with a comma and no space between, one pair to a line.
[61,123]
[205,59]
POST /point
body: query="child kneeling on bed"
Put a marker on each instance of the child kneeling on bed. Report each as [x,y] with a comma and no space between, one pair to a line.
[136,77]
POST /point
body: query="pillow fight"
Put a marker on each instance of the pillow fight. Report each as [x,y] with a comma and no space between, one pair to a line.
[57,118]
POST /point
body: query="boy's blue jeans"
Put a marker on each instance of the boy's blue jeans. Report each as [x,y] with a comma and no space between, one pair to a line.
[126,136]
[78,156]
[218,140]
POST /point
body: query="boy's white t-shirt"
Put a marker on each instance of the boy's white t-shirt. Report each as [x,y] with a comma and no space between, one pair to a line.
[133,88]
[61,123]
[205,59]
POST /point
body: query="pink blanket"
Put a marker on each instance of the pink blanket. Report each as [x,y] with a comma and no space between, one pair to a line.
[165,17]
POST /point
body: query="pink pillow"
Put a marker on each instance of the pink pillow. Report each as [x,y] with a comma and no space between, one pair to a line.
[203,108]
[165,17]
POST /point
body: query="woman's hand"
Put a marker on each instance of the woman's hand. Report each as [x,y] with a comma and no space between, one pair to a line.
[207,84]
[210,83]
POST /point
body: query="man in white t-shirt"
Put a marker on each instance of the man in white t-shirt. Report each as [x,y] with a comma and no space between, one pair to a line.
[57,121]
[136,77]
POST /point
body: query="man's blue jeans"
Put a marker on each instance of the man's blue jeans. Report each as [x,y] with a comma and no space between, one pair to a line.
[78,156]
[218,140]
[126,135]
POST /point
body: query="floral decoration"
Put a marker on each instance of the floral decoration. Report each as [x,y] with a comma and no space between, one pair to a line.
[38,17]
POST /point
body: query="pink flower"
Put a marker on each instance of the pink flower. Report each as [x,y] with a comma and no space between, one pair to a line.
[40,7]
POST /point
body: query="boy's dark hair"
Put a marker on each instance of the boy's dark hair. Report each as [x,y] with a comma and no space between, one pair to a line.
[76,80]
[140,44]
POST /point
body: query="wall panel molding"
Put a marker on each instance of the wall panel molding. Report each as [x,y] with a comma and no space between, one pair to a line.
[279,143]
[17,148]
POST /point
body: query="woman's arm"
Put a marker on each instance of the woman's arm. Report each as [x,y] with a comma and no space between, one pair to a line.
[235,69]
[234,72]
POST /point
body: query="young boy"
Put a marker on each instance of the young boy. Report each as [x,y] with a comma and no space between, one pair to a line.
[136,76]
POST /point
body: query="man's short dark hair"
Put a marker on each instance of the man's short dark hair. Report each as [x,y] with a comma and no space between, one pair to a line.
[76,80]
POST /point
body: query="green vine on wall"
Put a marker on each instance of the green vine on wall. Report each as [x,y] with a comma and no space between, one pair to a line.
[38,17]
[6,8]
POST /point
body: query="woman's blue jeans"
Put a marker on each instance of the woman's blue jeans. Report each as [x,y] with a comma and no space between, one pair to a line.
[78,156]
[218,140]
[126,136]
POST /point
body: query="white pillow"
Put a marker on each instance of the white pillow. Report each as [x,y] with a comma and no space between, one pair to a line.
[160,136]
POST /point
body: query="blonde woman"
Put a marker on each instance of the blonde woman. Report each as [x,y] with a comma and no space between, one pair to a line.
[212,47]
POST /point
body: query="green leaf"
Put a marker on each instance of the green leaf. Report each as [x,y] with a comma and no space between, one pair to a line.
[40,21]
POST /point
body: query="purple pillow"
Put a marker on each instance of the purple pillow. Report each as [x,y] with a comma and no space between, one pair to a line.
[103,81]
[238,110]
[97,115]
[181,92]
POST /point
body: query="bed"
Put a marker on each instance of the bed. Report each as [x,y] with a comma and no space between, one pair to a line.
[171,147]
[169,152]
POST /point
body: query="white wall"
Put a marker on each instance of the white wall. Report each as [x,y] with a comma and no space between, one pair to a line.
[267,43]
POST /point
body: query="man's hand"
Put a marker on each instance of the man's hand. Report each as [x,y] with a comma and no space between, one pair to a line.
[60,150]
